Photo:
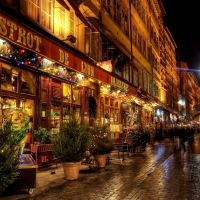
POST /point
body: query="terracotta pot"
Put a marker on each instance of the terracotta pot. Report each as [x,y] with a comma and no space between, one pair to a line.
[71,170]
[101,160]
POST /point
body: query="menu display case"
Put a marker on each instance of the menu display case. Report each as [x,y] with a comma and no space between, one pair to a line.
[25,177]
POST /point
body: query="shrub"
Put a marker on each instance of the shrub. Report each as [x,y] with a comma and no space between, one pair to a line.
[71,142]
[42,136]
[101,141]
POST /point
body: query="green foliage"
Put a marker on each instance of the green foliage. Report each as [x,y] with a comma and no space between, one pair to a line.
[101,142]
[72,141]
[9,155]
[20,133]
[42,136]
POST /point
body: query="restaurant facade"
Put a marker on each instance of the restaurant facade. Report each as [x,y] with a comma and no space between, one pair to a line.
[47,78]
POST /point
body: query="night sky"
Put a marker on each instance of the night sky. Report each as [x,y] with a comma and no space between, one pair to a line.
[183,20]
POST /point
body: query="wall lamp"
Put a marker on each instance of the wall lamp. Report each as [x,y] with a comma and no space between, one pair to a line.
[71,38]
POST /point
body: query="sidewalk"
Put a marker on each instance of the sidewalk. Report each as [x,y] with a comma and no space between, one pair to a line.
[52,177]
[46,180]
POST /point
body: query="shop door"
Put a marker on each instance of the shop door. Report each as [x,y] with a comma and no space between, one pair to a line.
[92,110]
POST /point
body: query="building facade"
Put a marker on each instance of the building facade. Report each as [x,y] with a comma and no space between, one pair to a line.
[107,60]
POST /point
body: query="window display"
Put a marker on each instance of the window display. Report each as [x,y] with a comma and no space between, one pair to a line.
[19,116]
[76,96]
[67,112]
[55,118]
[28,105]
[67,93]
[110,111]
[5,104]
[28,80]
[9,78]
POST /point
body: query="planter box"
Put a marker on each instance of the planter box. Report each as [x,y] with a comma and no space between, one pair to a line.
[25,178]
[42,153]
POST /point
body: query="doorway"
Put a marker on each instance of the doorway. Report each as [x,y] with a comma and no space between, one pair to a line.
[92,110]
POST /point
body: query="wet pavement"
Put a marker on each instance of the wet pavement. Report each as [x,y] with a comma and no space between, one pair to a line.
[161,172]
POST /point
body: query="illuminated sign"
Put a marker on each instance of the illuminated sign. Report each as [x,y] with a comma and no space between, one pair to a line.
[19,35]
[87,69]
[64,57]
[117,83]
[107,65]
[26,38]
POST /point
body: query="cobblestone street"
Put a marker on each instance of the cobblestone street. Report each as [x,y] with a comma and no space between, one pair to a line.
[164,171]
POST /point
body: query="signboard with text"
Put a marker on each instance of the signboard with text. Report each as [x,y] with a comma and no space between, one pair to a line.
[28,39]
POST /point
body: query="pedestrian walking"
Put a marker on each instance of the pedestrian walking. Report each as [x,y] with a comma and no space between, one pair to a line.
[171,134]
[183,138]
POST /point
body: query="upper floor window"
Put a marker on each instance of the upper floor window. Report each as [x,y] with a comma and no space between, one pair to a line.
[135,77]
[126,72]
[92,43]
[46,13]
[59,20]
[144,47]
[140,42]
[135,35]
[117,16]
[140,80]
[146,79]
[51,15]
[106,6]
[72,22]
[38,10]
[95,45]
[87,41]
[125,21]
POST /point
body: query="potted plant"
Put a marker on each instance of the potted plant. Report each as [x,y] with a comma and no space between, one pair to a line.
[42,147]
[70,145]
[42,136]
[145,135]
[102,144]
[136,135]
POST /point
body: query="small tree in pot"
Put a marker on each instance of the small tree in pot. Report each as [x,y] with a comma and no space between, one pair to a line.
[70,145]
[102,144]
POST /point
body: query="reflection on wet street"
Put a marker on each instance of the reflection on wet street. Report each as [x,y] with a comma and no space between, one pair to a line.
[162,172]
[195,146]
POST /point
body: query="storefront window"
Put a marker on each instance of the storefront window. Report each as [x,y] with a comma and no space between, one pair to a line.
[76,96]
[9,78]
[9,111]
[28,82]
[110,111]
[6,104]
[67,93]
[28,105]
[75,112]
[55,118]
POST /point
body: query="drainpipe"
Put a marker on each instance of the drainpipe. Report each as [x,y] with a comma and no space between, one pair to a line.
[131,39]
